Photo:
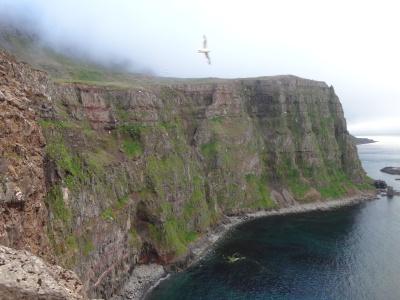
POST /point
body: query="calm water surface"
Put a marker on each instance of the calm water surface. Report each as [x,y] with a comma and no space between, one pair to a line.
[348,253]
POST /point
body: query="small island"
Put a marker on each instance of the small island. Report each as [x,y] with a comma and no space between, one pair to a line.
[391,170]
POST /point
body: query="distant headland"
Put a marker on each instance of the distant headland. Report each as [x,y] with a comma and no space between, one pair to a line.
[360,141]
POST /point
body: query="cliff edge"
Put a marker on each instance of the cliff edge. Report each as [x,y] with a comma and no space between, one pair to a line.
[100,178]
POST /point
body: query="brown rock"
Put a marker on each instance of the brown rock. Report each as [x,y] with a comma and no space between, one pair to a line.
[21,159]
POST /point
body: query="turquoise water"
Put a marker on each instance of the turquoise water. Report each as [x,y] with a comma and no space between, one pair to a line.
[347,253]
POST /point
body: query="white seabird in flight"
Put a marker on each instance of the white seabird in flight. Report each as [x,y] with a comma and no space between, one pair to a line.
[205,50]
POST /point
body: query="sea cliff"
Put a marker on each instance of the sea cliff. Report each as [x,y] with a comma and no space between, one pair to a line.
[101,178]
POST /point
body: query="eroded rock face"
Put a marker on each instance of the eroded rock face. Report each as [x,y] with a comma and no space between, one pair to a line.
[23,215]
[136,175]
[183,156]
[25,276]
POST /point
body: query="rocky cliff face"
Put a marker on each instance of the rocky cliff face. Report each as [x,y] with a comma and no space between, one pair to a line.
[23,215]
[112,177]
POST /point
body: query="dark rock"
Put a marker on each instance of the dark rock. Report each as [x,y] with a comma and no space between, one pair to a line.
[390,191]
[379,184]
[391,170]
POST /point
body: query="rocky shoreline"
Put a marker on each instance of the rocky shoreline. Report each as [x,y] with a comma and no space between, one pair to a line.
[146,277]
[143,278]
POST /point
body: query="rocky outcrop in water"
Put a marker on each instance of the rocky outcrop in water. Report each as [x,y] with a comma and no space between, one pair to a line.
[102,178]
[379,184]
[391,170]
[390,191]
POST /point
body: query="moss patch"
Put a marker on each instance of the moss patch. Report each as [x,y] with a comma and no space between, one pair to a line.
[257,193]
[55,203]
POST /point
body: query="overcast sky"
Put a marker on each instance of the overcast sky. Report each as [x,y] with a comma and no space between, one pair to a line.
[352,45]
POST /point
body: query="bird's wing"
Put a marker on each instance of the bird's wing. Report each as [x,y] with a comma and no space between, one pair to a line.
[209,60]
[204,42]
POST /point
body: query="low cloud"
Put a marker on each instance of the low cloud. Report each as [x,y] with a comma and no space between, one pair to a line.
[65,29]
[336,43]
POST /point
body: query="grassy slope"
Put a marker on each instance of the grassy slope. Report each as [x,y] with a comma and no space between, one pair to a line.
[64,68]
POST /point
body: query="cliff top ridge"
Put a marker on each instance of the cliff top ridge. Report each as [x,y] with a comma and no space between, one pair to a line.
[26,45]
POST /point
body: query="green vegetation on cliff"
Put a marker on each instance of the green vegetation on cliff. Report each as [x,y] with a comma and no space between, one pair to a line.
[160,167]
[138,173]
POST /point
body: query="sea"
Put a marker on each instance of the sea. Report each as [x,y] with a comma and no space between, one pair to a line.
[347,253]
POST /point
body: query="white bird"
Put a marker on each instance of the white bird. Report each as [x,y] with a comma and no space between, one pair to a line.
[205,50]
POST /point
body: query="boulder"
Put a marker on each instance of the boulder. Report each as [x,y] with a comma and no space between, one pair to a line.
[390,191]
[379,184]
[25,276]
